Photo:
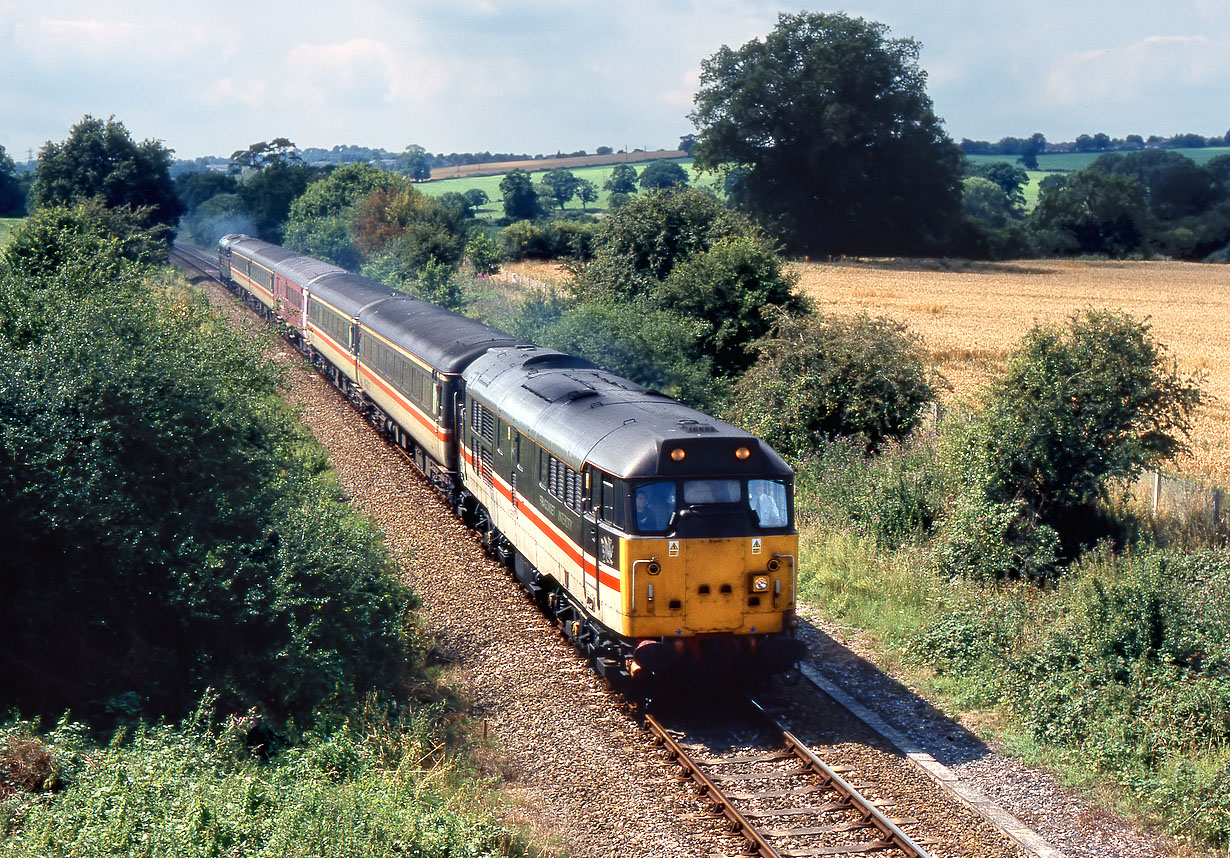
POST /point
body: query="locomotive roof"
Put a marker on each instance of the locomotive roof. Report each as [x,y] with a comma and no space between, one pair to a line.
[581,413]
[443,339]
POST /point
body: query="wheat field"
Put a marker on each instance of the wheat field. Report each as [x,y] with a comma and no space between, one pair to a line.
[972,315]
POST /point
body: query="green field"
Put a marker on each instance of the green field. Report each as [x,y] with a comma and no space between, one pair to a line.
[1067,162]
[7,225]
[491,185]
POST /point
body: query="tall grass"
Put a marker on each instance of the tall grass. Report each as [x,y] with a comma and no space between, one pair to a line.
[379,786]
[1117,674]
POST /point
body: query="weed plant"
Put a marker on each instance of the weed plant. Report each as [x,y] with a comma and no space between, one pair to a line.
[377,786]
[1115,671]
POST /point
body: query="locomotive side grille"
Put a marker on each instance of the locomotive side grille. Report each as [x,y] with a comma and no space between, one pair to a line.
[486,463]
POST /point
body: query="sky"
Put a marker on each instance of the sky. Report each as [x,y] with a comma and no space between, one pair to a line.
[543,76]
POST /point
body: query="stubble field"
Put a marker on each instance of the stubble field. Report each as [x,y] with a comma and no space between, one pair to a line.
[972,315]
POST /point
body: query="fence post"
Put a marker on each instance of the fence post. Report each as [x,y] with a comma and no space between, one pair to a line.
[1157,490]
[1216,506]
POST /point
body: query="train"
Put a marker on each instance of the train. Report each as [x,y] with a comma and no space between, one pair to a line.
[661,539]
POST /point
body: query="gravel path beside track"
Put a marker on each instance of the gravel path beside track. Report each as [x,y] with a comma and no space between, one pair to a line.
[583,776]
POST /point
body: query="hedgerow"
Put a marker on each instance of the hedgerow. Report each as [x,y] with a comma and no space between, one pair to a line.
[169,525]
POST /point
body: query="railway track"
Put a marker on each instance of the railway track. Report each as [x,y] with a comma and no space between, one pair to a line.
[195,259]
[774,795]
[777,794]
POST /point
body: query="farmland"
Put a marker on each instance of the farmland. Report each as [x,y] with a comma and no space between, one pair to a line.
[971,315]
[596,174]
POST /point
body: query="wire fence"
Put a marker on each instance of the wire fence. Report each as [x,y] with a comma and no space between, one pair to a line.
[1181,507]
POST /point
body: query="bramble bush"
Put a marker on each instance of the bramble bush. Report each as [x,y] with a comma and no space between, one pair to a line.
[1122,671]
[168,525]
[377,786]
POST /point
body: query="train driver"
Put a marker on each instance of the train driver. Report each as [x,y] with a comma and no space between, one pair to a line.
[655,506]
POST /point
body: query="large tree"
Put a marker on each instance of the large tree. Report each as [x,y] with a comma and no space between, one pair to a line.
[560,186]
[100,160]
[520,199]
[831,118]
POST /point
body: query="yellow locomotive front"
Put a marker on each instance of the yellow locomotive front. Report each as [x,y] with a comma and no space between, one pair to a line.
[708,559]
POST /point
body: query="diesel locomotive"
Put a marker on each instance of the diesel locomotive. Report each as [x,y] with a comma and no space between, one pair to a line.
[660,538]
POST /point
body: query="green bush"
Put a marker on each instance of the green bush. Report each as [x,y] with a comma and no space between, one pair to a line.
[987,541]
[167,523]
[378,786]
[524,240]
[1079,408]
[818,378]
[483,253]
[1122,671]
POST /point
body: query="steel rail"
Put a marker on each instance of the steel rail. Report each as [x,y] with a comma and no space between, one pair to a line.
[891,836]
[693,771]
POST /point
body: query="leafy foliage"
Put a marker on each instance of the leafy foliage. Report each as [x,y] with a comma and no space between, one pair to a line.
[411,238]
[376,786]
[100,160]
[1092,212]
[168,525]
[278,152]
[268,193]
[322,218]
[831,119]
[520,199]
[1122,672]
[560,186]
[622,179]
[663,175]
[684,252]
[986,201]
[12,190]
[483,253]
[1078,408]
[1009,179]
[824,377]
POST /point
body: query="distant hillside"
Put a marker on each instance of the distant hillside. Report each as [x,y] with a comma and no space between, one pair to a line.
[496,169]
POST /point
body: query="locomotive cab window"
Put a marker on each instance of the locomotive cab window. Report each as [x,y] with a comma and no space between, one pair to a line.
[611,500]
[768,500]
[700,492]
[655,506]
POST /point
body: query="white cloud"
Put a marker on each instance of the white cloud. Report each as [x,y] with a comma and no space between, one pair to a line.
[360,70]
[1151,65]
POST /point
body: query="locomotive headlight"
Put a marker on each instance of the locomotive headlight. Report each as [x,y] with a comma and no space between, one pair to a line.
[742,453]
[760,583]
[677,454]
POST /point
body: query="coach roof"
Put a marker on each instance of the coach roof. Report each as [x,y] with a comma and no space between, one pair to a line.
[445,340]
[581,413]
